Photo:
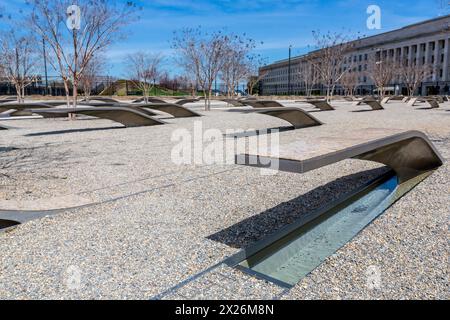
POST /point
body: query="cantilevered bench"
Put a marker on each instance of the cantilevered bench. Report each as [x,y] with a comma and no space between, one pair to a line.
[101,99]
[374,104]
[182,102]
[323,105]
[434,104]
[149,100]
[126,116]
[297,117]
[439,99]
[21,109]
[392,98]
[413,101]
[173,109]
[409,153]
[386,100]
[262,104]
[135,107]
[360,101]
[8,99]
[406,99]
[234,102]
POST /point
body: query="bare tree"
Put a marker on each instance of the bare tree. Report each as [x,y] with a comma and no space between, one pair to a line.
[202,55]
[191,84]
[413,74]
[91,73]
[234,69]
[307,75]
[239,62]
[350,81]
[256,75]
[381,70]
[165,81]
[18,60]
[73,48]
[328,59]
[143,71]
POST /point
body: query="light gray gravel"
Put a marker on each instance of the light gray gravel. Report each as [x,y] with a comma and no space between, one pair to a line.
[162,224]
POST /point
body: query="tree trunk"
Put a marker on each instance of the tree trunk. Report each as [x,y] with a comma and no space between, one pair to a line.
[209,99]
[75,93]
[206,100]
[66,88]
[19,92]
[328,93]
[87,92]
[145,93]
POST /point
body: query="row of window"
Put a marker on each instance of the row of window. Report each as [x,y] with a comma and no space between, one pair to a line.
[282,74]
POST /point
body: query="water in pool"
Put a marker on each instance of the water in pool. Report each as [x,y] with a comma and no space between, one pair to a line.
[294,256]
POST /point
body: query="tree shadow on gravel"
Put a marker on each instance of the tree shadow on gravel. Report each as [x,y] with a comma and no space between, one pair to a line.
[256,228]
[49,133]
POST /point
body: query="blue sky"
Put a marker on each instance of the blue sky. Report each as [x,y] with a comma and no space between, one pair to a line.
[277,23]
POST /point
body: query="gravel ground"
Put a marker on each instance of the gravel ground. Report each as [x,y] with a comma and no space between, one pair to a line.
[153,224]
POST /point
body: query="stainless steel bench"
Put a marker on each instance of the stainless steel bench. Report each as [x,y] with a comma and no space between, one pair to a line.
[175,110]
[126,116]
[409,153]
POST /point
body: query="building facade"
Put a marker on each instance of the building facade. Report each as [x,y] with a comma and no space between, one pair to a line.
[422,43]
